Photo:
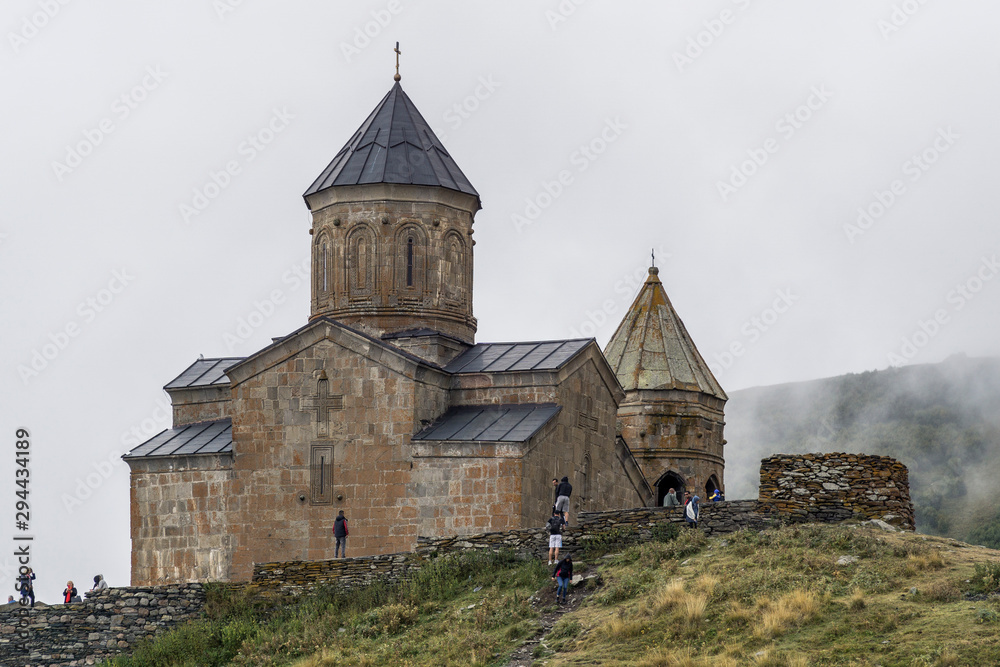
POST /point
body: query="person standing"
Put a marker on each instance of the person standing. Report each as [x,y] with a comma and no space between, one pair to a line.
[670,500]
[69,593]
[555,527]
[340,533]
[716,496]
[26,586]
[562,576]
[563,492]
[691,512]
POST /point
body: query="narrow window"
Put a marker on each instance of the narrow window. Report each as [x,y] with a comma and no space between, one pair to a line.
[362,280]
[326,275]
[409,262]
[321,474]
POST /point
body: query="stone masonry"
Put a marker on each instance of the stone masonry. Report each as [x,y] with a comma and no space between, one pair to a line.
[105,624]
[834,487]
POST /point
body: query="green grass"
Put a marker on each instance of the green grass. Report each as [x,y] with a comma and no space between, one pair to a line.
[773,598]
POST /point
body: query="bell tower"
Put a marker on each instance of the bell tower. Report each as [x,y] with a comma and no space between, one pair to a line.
[392,219]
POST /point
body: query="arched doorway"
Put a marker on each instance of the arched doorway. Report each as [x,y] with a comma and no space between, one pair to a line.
[670,480]
[710,486]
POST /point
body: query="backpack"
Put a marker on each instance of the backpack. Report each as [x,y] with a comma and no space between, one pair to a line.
[555,525]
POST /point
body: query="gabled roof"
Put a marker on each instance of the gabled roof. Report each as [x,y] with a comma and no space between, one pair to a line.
[204,438]
[490,423]
[204,373]
[500,357]
[652,350]
[394,145]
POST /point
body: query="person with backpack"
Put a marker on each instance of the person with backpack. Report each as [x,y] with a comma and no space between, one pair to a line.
[555,527]
[340,532]
[563,491]
[691,511]
[562,576]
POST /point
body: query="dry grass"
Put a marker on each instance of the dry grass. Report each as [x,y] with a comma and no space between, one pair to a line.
[683,658]
[790,610]
[857,600]
[694,608]
[706,583]
[669,597]
[621,629]
[932,560]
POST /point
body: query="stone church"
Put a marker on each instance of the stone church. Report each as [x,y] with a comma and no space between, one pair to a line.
[384,405]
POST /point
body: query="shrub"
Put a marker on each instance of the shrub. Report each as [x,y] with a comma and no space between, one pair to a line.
[986,578]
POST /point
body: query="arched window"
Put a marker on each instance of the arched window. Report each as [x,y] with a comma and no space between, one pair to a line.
[410,260]
[454,273]
[326,268]
[360,269]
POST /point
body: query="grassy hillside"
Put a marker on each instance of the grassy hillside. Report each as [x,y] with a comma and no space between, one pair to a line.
[777,598]
[941,420]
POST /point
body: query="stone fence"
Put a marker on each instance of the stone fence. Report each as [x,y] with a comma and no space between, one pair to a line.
[716,518]
[835,487]
[105,624]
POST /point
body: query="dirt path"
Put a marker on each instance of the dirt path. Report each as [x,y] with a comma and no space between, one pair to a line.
[551,612]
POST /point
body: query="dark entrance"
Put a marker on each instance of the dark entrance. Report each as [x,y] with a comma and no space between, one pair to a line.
[710,486]
[670,480]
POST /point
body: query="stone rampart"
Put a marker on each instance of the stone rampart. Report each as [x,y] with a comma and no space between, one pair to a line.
[835,487]
[105,624]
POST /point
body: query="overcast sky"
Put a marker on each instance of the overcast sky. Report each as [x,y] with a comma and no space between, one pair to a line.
[816,178]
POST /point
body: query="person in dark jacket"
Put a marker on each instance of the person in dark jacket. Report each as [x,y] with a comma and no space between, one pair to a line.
[340,532]
[70,593]
[562,576]
[563,492]
[26,585]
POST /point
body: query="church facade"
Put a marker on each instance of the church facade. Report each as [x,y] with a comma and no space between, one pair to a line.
[384,406]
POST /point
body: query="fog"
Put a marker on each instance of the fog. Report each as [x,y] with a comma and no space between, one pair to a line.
[816,180]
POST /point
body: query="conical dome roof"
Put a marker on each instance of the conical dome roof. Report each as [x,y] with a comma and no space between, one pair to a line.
[652,350]
[394,145]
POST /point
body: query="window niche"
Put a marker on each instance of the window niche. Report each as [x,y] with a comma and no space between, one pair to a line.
[321,475]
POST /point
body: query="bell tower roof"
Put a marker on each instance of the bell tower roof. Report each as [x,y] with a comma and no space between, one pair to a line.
[651,350]
[394,145]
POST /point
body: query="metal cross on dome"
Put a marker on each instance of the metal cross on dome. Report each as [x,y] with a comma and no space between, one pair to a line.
[397,77]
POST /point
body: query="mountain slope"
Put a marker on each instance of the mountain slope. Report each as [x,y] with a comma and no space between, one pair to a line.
[941,420]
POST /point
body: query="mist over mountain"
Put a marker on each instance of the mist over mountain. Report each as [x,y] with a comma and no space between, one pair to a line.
[941,420]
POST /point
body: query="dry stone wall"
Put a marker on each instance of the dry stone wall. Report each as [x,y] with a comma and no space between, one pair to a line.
[835,487]
[105,624]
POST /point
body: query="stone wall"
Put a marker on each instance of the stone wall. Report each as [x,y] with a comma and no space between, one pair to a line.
[105,624]
[716,518]
[835,487]
[179,515]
